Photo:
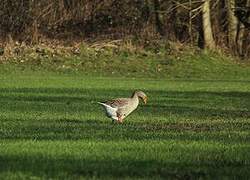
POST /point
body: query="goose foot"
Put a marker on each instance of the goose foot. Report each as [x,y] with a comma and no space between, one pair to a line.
[119,118]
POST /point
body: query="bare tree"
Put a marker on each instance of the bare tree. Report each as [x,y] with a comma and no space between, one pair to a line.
[158,22]
[243,14]
[207,28]
[243,34]
[232,25]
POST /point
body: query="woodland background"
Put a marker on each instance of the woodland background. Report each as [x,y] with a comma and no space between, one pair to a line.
[212,24]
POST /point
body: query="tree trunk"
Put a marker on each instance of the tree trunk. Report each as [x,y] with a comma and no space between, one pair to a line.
[242,37]
[207,28]
[232,25]
[158,22]
[190,22]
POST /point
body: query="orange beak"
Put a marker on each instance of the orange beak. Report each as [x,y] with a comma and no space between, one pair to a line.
[145,100]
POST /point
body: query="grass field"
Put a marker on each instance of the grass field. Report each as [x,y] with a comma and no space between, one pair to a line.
[52,127]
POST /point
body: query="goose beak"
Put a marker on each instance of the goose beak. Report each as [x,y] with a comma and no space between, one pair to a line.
[145,99]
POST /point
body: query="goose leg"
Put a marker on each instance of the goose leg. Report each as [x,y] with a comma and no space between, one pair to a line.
[119,118]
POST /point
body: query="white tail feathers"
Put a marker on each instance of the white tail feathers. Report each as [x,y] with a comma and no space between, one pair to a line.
[103,104]
[110,111]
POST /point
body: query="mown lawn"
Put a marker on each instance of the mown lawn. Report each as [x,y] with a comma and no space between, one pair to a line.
[52,127]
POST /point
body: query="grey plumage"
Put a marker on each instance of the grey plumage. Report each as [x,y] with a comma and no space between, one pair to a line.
[118,109]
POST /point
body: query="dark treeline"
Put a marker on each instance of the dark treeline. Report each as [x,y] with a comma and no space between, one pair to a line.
[207,23]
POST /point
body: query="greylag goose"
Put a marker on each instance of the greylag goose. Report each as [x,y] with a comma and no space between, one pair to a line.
[118,109]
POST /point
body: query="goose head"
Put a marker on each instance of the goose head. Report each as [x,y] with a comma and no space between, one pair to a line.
[141,95]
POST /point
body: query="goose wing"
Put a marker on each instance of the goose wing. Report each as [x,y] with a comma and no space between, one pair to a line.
[118,103]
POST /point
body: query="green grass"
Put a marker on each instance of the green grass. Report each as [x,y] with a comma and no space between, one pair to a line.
[131,60]
[52,127]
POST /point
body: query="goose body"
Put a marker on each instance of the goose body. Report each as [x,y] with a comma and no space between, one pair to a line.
[118,109]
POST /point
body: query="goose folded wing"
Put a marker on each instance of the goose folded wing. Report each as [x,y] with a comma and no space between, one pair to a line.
[118,103]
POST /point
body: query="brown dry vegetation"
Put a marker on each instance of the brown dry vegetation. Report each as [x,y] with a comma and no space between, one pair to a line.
[69,22]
